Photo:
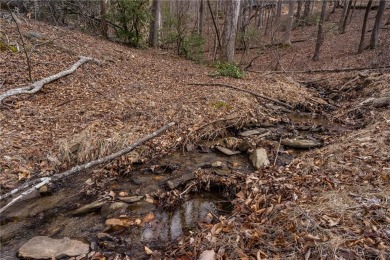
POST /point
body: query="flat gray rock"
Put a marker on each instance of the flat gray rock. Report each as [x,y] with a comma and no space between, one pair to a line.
[259,158]
[226,150]
[89,208]
[253,132]
[300,143]
[42,247]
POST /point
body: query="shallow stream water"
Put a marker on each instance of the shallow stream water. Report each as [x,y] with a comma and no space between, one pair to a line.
[52,215]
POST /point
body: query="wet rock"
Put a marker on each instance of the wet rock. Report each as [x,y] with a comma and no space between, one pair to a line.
[131,199]
[42,247]
[94,206]
[217,164]
[257,131]
[46,190]
[244,146]
[117,223]
[259,158]
[105,236]
[170,185]
[226,150]
[111,208]
[208,255]
[300,143]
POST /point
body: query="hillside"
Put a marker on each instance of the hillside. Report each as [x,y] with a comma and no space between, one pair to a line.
[327,202]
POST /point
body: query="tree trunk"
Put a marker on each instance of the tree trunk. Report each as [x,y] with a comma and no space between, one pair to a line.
[103,15]
[230,30]
[287,35]
[278,11]
[344,17]
[299,9]
[375,31]
[353,9]
[154,24]
[335,5]
[306,10]
[364,28]
[320,33]
[200,18]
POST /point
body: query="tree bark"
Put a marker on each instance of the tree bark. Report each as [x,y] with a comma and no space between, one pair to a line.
[299,9]
[230,30]
[82,167]
[344,17]
[201,17]
[320,33]
[378,19]
[103,15]
[364,28]
[38,85]
[287,35]
[154,24]
[306,10]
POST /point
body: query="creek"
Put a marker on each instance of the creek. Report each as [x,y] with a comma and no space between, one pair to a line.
[126,227]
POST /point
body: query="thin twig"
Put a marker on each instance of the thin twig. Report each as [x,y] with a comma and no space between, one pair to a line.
[24,46]
[277,151]
[244,90]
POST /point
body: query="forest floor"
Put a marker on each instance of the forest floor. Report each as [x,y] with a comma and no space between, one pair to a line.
[330,202]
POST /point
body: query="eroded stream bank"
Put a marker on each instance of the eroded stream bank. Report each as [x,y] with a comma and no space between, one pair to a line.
[119,213]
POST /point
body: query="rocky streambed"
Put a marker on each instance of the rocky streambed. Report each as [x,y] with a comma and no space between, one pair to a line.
[118,215]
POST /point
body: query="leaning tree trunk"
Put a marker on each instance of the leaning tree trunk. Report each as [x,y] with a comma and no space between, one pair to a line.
[320,33]
[230,31]
[103,15]
[287,35]
[364,28]
[154,24]
[378,19]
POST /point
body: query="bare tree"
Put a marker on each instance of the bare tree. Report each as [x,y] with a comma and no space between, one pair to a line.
[299,9]
[344,17]
[287,35]
[364,28]
[378,19]
[103,15]
[232,12]
[306,10]
[320,33]
[200,17]
[154,24]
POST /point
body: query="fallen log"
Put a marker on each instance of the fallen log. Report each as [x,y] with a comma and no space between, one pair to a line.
[77,168]
[246,91]
[300,143]
[38,85]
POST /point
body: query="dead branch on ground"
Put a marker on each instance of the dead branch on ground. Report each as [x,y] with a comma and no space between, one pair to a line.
[246,91]
[38,85]
[78,168]
[324,70]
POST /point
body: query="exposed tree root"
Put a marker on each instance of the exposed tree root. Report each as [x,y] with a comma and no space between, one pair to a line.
[246,91]
[38,85]
[324,70]
[78,168]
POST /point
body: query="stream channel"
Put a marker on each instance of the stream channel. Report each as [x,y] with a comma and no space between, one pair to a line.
[116,225]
